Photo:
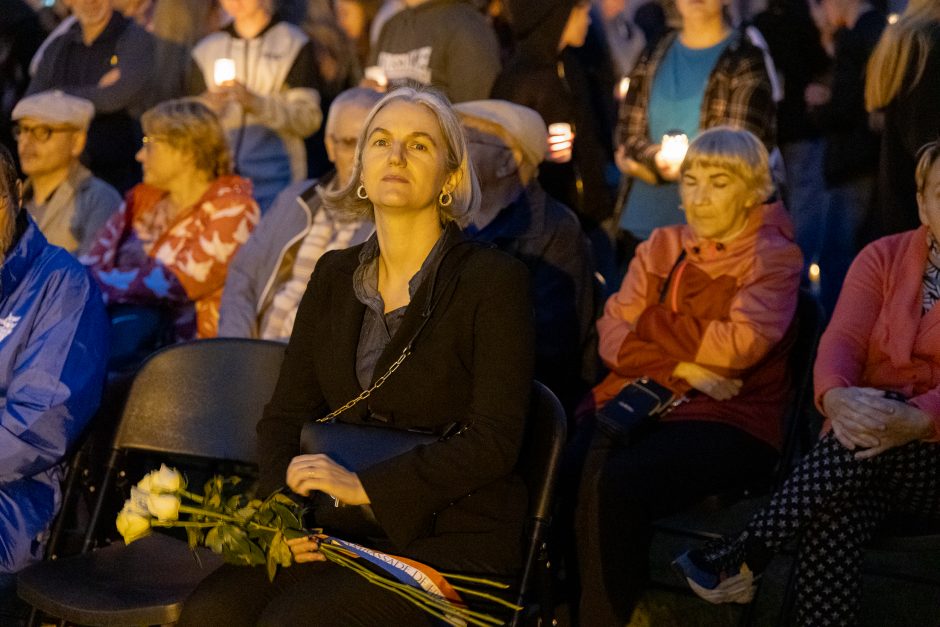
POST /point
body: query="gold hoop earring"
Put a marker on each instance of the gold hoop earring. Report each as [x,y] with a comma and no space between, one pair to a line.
[445,199]
[361,193]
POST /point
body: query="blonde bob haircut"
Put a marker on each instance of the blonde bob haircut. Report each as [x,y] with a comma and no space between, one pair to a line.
[927,156]
[736,150]
[191,127]
[466,193]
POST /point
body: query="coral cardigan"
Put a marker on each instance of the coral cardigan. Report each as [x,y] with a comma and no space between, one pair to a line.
[728,308]
[878,337]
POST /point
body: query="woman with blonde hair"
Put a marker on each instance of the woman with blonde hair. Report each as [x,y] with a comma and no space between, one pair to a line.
[169,244]
[902,89]
[704,316]
[445,327]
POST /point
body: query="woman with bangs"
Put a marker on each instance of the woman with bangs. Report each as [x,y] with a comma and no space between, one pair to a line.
[705,311]
[439,329]
[877,382]
[169,245]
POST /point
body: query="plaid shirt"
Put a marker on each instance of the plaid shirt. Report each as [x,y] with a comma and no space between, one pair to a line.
[738,94]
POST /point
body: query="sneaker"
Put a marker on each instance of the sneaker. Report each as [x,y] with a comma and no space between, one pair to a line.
[714,581]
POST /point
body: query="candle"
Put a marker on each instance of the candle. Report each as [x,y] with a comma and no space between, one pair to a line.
[560,142]
[673,148]
[893,18]
[223,71]
[623,87]
[376,74]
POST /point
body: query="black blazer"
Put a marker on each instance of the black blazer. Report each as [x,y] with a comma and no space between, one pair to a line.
[454,504]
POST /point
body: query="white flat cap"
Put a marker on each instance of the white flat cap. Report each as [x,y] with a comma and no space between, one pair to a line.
[522,123]
[56,107]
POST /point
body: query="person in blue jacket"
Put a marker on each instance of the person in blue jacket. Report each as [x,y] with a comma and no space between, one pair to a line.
[53,350]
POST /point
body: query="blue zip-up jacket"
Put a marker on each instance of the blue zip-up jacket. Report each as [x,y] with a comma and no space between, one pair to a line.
[53,351]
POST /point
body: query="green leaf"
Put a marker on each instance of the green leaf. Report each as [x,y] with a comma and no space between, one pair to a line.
[193,536]
[214,539]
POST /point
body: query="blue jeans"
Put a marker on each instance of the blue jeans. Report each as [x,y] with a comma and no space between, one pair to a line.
[807,199]
[848,207]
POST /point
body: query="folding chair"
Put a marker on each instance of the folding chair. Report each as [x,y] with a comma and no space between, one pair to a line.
[200,399]
[539,463]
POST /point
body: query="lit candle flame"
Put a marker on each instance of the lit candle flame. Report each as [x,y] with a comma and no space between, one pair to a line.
[223,71]
[673,147]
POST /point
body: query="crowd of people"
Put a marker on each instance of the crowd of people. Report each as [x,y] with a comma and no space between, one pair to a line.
[461,196]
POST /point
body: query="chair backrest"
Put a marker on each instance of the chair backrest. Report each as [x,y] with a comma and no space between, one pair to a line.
[201,398]
[540,458]
[539,464]
[798,427]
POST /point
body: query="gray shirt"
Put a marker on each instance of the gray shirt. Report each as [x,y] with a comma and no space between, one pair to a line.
[378,327]
[74,213]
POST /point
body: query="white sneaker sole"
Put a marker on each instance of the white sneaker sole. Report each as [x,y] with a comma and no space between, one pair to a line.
[737,589]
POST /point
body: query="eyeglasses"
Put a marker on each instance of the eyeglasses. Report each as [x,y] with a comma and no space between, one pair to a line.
[152,139]
[39,132]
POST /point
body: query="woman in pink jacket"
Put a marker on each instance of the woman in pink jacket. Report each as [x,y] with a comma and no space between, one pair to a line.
[877,380]
[705,311]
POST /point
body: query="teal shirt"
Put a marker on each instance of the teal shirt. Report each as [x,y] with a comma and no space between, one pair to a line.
[675,105]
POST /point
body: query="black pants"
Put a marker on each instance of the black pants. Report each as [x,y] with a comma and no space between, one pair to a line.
[319,594]
[834,503]
[624,488]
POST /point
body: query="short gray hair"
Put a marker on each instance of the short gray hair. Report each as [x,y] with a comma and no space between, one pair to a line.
[736,150]
[356,96]
[466,195]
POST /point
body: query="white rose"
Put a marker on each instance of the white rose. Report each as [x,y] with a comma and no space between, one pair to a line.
[131,524]
[138,502]
[145,484]
[164,506]
[165,480]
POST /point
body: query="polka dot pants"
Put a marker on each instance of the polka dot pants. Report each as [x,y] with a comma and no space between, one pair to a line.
[833,504]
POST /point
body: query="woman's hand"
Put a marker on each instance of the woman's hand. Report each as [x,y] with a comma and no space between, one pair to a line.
[633,168]
[907,424]
[859,416]
[308,473]
[704,380]
[306,549]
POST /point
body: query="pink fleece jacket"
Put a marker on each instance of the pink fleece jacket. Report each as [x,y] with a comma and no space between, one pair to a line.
[728,308]
[877,337]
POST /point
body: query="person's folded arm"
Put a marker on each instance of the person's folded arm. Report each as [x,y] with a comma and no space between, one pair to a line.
[758,317]
[295,109]
[843,348]
[142,280]
[135,52]
[624,307]
[406,491]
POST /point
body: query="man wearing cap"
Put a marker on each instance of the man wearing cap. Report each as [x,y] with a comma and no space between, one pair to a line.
[53,350]
[68,204]
[105,58]
[507,143]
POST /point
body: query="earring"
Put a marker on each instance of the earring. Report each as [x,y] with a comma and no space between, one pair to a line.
[445,199]
[361,192]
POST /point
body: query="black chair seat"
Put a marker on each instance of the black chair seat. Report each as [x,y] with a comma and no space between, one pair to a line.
[147,582]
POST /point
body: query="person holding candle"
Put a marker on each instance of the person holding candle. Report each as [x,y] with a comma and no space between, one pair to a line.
[260,76]
[705,311]
[552,72]
[704,75]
